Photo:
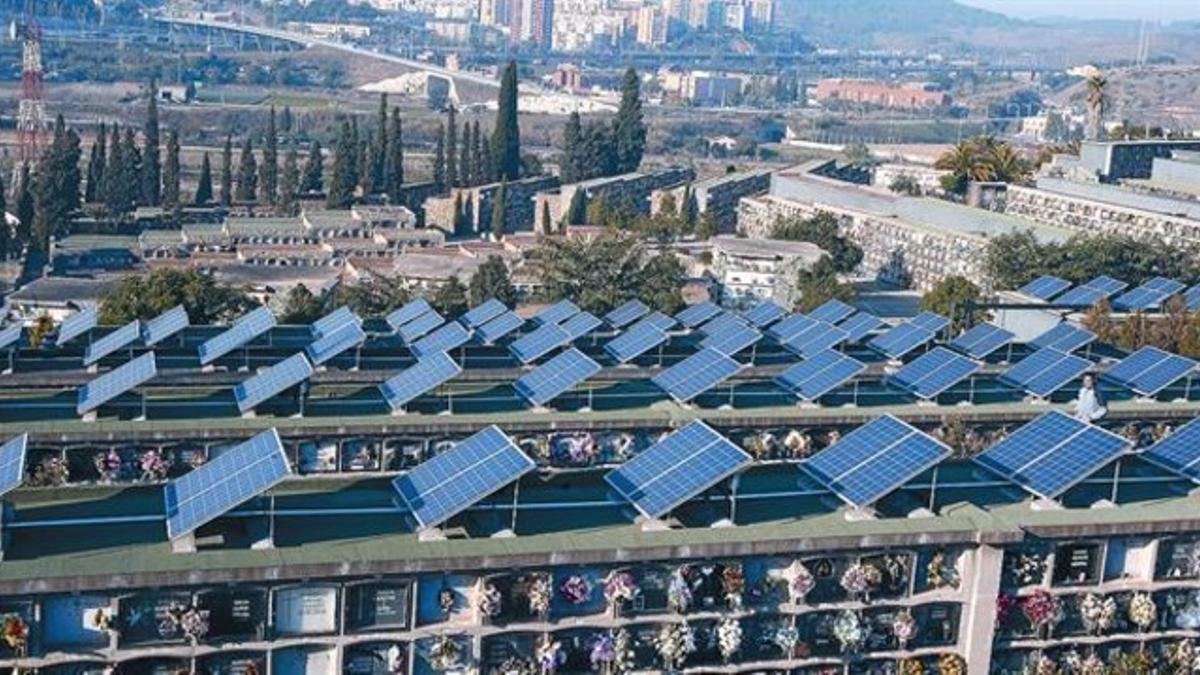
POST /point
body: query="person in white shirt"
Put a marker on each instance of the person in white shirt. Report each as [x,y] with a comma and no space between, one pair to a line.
[1089,407]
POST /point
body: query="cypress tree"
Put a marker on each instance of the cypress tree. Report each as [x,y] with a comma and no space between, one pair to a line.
[170,191]
[691,209]
[342,181]
[577,210]
[486,166]
[453,179]
[227,173]
[353,161]
[366,173]
[25,207]
[500,212]
[477,174]
[268,183]
[111,188]
[289,186]
[314,170]
[134,169]
[506,137]
[464,158]
[204,187]
[52,185]
[379,151]
[629,129]
[460,227]
[572,144]
[547,226]
[95,177]
[439,161]
[247,180]
[151,172]
[394,169]
[287,120]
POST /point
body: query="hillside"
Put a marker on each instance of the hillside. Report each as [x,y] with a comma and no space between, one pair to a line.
[842,22]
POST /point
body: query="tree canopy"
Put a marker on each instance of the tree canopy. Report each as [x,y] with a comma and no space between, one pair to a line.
[491,281]
[1012,260]
[603,272]
[949,297]
[145,297]
[984,158]
[822,230]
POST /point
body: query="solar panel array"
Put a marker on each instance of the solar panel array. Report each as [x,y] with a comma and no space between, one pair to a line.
[626,314]
[111,342]
[499,326]
[634,342]
[417,328]
[272,381]
[930,321]
[549,380]
[832,311]
[481,314]
[720,323]
[453,480]
[860,326]
[556,313]
[1094,291]
[1052,453]
[1150,295]
[1178,452]
[214,488]
[982,340]
[696,374]
[792,327]
[12,463]
[1064,337]
[243,330]
[731,339]
[676,469]
[1149,370]
[822,373]
[901,340]
[165,325]
[580,325]
[1192,298]
[426,375]
[334,321]
[77,324]
[543,340]
[934,372]
[330,344]
[11,335]
[449,336]
[1045,287]
[115,382]
[1045,371]
[874,460]
[821,338]
[658,320]
[412,311]
[764,314]
[697,314]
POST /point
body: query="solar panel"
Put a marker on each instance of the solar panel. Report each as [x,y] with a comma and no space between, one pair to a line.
[498,327]
[982,340]
[115,382]
[243,330]
[731,340]
[453,480]
[1192,298]
[10,335]
[1149,370]
[1064,337]
[1092,292]
[481,314]
[1045,287]
[580,325]
[1107,285]
[1045,371]
[634,342]
[417,328]
[272,381]
[874,460]
[822,373]
[77,324]
[546,382]
[409,312]
[165,325]
[111,342]
[1150,295]
[427,374]
[792,326]
[821,338]
[832,311]
[696,374]
[12,463]
[626,314]
[697,314]
[1178,452]
[544,339]
[676,469]
[1052,453]
[901,340]
[933,373]
[1164,285]
[764,314]
[331,344]
[214,488]
[334,321]
[721,322]
[860,326]
[556,313]
[443,339]
[929,321]
[658,320]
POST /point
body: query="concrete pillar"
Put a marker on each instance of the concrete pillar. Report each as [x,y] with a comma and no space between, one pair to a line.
[981,580]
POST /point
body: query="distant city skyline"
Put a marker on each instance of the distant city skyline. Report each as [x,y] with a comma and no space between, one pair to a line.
[1165,10]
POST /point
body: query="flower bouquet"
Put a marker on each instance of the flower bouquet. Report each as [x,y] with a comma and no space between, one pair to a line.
[539,594]
[619,588]
[16,633]
[487,600]
[679,595]
[446,598]
[444,653]
[549,655]
[855,580]
[1142,611]
[1042,610]
[940,574]
[1029,568]
[674,643]
[575,589]
[733,583]
[108,465]
[1092,665]
[802,584]
[154,465]
[786,638]
[904,627]
[729,638]
[848,630]
[612,652]
[1097,613]
[951,664]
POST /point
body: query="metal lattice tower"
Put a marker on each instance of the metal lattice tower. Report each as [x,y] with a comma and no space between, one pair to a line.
[31,111]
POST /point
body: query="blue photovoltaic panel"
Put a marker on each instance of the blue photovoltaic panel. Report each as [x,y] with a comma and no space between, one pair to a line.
[860,326]
[10,336]
[720,323]
[427,374]
[731,340]
[832,311]
[77,324]
[1044,288]
[792,327]
[1045,371]
[626,314]
[696,374]
[1179,452]
[453,480]
[982,340]
[1149,370]
[481,314]
[216,487]
[634,342]
[500,325]
[1052,453]
[417,328]
[764,314]
[556,313]
[695,315]
[1107,285]
[333,343]
[1092,292]
[1064,337]
[544,339]
[111,342]
[243,330]
[549,380]
[444,339]
[658,320]
[165,325]
[874,460]
[333,321]
[409,312]
[580,325]
[822,373]
[1150,295]
[12,463]
[821,338]
[115,382]
[929,321]
[1164,285]
[1192,298]
[933,372]
[676,469]
[901,340]
[272,381]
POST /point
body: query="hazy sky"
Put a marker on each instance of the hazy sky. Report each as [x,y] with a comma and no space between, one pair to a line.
[1167,10]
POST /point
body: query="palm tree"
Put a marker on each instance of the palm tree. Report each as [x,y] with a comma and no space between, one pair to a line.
[1096,86]
[1007,164]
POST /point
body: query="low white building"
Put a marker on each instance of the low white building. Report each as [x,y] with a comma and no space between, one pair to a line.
[748,271]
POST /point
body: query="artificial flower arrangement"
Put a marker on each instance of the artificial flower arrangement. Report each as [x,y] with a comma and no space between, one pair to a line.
[1029,568]
[849,631]
[904,627]
[911,667]
[108,465]
[1041,665]
[733,584]
[786,637]
[51,472]
[679,594]
[154,465]
[951,664]
[446,599]
[729,638]
[802,584]
[674,643]
[858,579]
[611,652]
[539,592]
[1183,656]
[1042,609]
[619,588]
[1142,611]
[444,653]
[1185,610]
[549,655]
[16,633]
[939,574]
[187,619]
[487,600]
[575,589]
[1097,613]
